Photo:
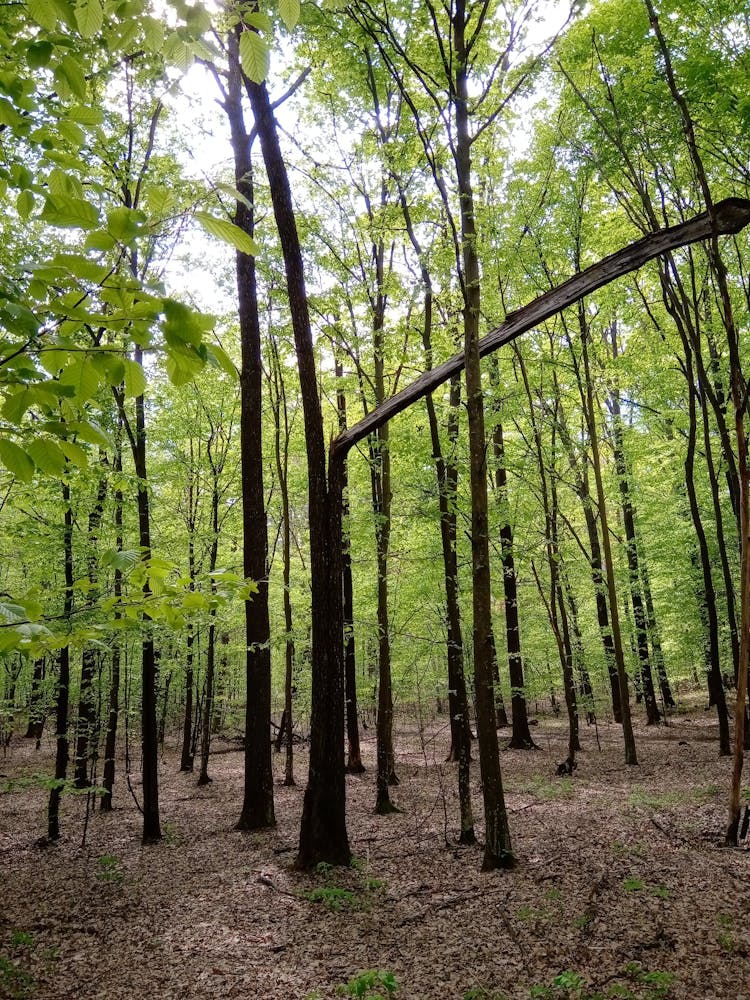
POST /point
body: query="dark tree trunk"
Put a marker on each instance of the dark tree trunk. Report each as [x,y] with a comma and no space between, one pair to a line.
[354,763]
[63,677]
[323,835]
[186,756]
[521,734]
[281,450]
[110,740]
[90,658]
[715,684]
[149,734]
[37,708]
[655,636]
[631,756]
[653,715]
[258,805]
[208,703]
[498,852]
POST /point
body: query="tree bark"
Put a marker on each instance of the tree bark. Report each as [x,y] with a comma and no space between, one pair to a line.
[323,835]
[257,805]
[63,677]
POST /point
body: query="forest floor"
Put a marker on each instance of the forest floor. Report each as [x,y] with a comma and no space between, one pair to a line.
[623,887]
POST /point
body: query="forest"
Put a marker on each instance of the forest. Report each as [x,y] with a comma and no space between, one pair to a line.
[374,499]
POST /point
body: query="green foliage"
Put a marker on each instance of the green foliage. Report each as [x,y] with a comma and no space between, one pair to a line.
[638,984]
[109,869]
[373,984]
[17,983]
[333,897]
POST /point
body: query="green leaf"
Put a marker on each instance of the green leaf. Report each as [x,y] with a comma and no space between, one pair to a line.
[38,54]
[69,213]
[47,456]
[90,432]
[25,204]
[218,356]
[99,239]
[89,17]
[70,78]
[16,460]
[85,115]
[289,11]
[17,404]
[74,453]
[153,34]
[255,56]
[194,601]
[53,360]
[135,380]
[125,223]
[43,12]
[122,559]
[228,232]
[82,375]
[8,114]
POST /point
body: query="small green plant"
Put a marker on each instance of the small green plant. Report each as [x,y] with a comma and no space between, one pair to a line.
[543,788]
[660,891]
[633,885]
[528,914]
[109,869]
[15,981]
[21,939]
[640,985]
[333,897]
[725,934]
[171,836]
[369,984]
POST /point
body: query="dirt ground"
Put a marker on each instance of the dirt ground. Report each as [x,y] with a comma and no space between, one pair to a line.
[623,887]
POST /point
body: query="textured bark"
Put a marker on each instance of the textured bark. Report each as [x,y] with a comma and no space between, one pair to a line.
[87,723]
[281,452]
[257,805]
[498,852]
[37,710]
[521,735]
[63,677]
[354,763]
[653,715]
[323,835]
[631,756]
[110,740]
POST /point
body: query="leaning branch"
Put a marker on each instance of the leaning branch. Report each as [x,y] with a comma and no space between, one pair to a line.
[729,216]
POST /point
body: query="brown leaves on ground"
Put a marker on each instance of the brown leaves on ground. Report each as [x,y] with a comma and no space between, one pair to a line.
[623,882]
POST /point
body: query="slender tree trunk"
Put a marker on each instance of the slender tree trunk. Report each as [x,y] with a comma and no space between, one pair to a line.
[323,835]
[281,450]
[208,702]
[653,715]
[556,605]
[63,677]
[631,757]
[186,756]
[521,735]
[354,763]
[110,740]
[498,852]
[258,804]
[37,709]
[655,636]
